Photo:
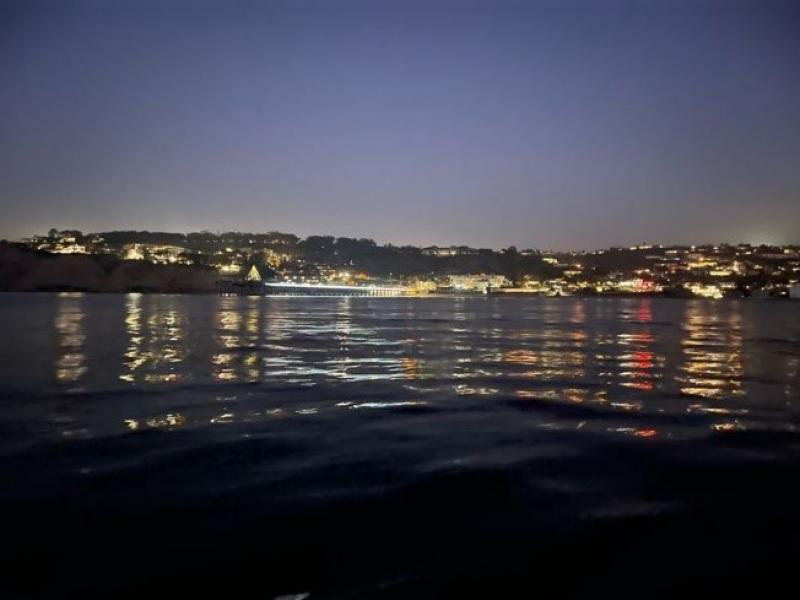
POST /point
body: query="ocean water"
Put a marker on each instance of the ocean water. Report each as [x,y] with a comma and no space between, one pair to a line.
[397,447]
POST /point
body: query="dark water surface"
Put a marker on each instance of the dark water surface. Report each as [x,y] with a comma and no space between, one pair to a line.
[397,447]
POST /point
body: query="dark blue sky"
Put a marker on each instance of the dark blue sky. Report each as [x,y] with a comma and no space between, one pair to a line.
[553,124]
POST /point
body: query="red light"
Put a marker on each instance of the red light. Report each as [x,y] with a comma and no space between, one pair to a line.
[645,433]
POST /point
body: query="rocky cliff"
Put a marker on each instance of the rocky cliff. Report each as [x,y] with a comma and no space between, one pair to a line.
[22,269]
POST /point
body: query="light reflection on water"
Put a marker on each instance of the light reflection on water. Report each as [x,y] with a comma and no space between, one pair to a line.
[70,362]
[730,364]
[712,350]
[155,347]
[474,434]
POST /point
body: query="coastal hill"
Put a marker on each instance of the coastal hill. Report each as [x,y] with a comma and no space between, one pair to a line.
[23,269]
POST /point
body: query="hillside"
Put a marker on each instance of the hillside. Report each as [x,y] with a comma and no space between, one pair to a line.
[22,269]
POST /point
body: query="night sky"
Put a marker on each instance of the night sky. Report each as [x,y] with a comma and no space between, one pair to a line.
[558,125]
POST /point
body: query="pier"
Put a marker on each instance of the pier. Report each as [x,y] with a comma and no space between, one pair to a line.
[323,289]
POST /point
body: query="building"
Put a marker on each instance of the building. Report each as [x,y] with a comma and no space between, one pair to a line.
[442,252]
[253,274]
[155,253]
[477,283]
[258,271]
[59,242]
[422,286]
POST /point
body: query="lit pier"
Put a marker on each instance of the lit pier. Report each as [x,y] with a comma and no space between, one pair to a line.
[288,288]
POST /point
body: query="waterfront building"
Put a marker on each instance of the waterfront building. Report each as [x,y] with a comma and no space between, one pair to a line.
[422,286]
[253,274]
[477,283]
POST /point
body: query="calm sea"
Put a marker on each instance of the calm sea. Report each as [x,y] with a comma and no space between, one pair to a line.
[397,447]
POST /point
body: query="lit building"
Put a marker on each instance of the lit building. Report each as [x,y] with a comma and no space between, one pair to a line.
[69,249]
[706,291]
[422,286]
[133,252]
[154,253]
[253,274]
[477,283]
[637,286]
[442,251]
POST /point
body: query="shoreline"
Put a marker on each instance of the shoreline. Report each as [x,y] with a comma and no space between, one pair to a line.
[525,295]
[25,270]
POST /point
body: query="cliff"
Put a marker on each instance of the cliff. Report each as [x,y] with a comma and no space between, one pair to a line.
[23,270]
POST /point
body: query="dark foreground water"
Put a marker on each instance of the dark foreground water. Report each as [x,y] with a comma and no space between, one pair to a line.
[357,447]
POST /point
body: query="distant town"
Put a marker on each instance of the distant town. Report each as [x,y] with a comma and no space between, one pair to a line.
[252,261]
